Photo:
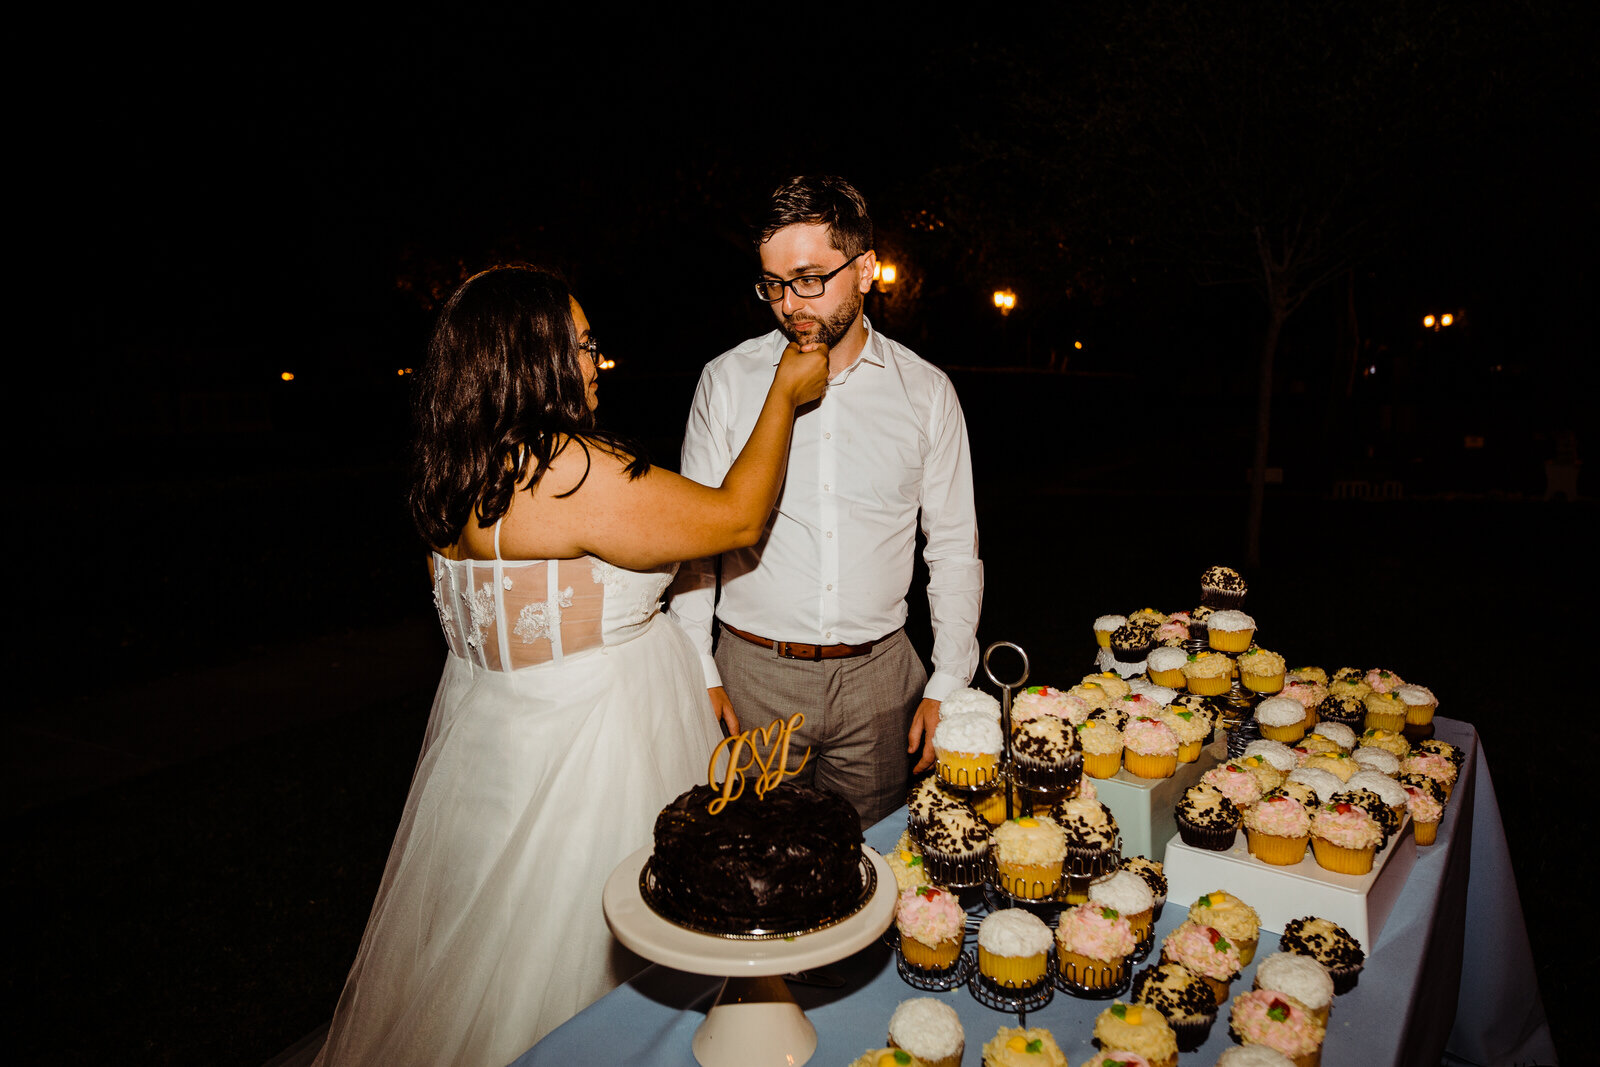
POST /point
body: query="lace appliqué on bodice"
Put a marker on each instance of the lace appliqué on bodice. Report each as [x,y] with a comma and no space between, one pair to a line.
[542,618]
[636,591]
[480,606]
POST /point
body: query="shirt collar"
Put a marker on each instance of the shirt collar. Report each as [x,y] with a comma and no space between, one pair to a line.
[871,352]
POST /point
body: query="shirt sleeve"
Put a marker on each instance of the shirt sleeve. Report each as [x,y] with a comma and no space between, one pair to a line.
[950,525]
[706,458]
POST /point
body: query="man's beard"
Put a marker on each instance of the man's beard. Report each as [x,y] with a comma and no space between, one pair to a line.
[830,331]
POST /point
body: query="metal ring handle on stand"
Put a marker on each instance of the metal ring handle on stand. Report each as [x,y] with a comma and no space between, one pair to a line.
[1005,709]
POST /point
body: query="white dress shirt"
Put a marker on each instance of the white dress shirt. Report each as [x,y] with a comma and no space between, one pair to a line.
[886,441]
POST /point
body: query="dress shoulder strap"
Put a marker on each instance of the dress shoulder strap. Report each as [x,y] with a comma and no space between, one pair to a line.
[497,523]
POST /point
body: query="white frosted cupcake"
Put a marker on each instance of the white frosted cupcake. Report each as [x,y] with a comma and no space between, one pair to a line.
[930,1030]
[1302,977]
[1130,895]
[964,701]
[1377,759]
[1161,694]
[1105,626]
[1322,782]
[968,749]
[1338,733]
[1276,753]
[1165,666]
[1230,631]
[1014,948]
[1420,703]
[1281,719]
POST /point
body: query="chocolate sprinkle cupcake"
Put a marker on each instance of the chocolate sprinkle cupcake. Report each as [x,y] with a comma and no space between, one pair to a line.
[1182,997]
[1207,819]
[1329,944]
[1347,711]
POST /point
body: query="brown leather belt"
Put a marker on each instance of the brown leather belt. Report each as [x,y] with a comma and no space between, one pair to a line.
[801,650]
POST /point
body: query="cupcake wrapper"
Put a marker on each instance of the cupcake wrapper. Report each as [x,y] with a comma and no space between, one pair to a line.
[1189,751]
[1262,683]
[1096,765]
[1278,851]
[1331,857]
[1213,840]
[1090,973]
[940,957]
[1048,779]
[1426,833]
[1230,640]
[1013,972]
[1210,687]
[1029,881]
[1149,766]
[1285,734]
[1220,599]
[956,872]
[1192,1034]
[1393,721]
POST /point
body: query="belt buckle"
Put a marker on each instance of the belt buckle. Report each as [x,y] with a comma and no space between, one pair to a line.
[786,649]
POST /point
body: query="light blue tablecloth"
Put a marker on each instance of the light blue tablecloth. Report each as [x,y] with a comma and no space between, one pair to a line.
[1428,985]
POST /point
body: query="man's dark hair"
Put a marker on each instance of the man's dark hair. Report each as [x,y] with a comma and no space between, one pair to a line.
[832,201]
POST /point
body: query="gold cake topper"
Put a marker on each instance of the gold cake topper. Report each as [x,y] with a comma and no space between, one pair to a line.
[744,753]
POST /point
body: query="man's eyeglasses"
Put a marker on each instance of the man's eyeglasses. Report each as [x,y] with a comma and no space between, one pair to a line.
[806,287]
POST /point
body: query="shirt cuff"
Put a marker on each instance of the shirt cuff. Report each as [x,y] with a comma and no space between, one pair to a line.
[713,676]
[940,686]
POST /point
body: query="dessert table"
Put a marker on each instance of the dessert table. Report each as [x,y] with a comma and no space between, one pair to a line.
[1450,979]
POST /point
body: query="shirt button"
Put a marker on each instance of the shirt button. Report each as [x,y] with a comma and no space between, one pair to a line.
[828,634]
[826,488]
[830,587]
[830,535]
[827,437]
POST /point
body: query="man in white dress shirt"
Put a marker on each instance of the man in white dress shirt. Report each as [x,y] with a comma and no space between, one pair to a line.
[812,617]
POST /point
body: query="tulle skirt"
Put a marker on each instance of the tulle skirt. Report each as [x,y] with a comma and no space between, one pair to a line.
[487,931]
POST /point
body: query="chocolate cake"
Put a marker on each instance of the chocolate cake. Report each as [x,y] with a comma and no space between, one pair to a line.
[788,861]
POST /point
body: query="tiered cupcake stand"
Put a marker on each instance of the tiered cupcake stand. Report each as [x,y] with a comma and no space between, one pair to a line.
[983,891]
[755,1021]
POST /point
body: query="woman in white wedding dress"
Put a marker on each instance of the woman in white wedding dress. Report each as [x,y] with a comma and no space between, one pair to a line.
[571,709]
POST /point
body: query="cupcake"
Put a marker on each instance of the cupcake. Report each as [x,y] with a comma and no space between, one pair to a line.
[1344,838]
[1171,634]
[1320,782]
[1388,740]
[1384,712]
[1161,694]
[1236,783]
[1028,853]
[905,863]
[1330,945]
[1230,631]
[1276,753]
[1149,748]
[1222,587]
[1303,794]
[1131,642]
[968,749]
[1137,1028]
[1092,841]
[1434,766]
[1045,754]
[1013,949]
[1281,719]
[1338,733]
[931,924]
[1112,714]
[1425,814]
[1337,764]
[1349,682]
[1261,671]
[1308,693]
[1206,818]
[1266,775]
[1190,730]
[1232,917]
[1165,666]
[1206,952]
[1253,1056]
[1038,701]
[1280,1022]
[1151,872]
[1278,830]
[1130,896]
[1208,674]
[955,847]
[1381,760]
[1445,749]
[1392,792]
[1382,681]
[1102,748]
[1116,1058]
[1105,626]
[886,1057]
[1343,709]
[1313,675]
[1420,703]
[1015,1047]
[1182,997]
[1430,786]
[928,1029]
[1116,687]
[1093,943]
[926,801]
[1091,694]
[1302,977]
[965,701]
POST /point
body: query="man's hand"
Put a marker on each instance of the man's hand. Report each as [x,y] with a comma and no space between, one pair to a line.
[923,723]
[722,707]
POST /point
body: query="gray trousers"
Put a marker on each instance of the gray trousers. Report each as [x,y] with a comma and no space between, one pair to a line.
[857,710]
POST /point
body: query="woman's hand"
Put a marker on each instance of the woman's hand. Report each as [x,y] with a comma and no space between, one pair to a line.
[803,372]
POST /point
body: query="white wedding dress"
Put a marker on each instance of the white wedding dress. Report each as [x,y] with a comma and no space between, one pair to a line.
[571,710]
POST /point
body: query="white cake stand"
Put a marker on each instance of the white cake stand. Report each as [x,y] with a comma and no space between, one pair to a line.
[755,1021]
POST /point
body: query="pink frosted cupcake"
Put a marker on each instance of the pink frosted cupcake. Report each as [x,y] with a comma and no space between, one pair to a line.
[1149,747]
[1207,953]
[931,924]
[1093,943]
[1344,838]
[1278,829]
[1172,633]
[1235,782]
[1382,681]
[1280,1022]
[1190,730]
[1037,700]
[1307,692]
[1433,765]
[1425,814]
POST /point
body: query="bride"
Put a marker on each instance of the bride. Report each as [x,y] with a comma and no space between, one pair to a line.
[570,710]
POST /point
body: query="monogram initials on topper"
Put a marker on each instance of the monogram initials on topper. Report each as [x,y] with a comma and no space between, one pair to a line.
[745,751]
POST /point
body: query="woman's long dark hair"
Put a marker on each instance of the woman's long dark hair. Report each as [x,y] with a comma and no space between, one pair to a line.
[502,387]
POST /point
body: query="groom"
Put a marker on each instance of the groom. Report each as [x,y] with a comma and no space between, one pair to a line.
[812,617]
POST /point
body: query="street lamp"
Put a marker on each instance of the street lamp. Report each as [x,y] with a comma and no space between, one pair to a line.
[1005,300]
